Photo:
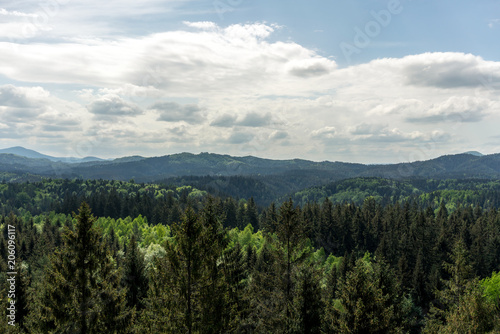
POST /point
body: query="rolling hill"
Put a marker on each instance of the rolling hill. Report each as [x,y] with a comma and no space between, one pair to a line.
[27,153]
[303,173]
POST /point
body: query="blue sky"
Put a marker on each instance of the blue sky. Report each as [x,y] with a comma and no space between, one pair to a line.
[361,81]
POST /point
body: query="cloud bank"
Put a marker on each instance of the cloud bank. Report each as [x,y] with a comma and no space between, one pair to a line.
[239,90]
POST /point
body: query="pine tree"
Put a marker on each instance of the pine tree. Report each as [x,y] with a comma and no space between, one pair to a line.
[134,276]
[214,314]
[251,214]
[308,305]
[291,251]
[22,295]
[368,300]
[454,289]
[173,304]
[236,304]
[472,314]
[265,294]
[81,287]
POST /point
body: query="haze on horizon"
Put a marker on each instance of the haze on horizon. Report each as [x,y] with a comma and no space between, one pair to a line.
[370,82]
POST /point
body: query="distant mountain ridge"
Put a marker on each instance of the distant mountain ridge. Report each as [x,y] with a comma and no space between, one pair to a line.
[476,153]
[27,153]
[297,171]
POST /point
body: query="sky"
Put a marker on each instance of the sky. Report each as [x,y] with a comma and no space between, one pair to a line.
[344,80]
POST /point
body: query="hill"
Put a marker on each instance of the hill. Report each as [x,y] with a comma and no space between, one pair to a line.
[27,153]
[247,176]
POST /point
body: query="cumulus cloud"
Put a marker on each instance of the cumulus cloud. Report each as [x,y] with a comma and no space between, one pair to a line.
[240,137]
[370,134]
[307,68]
[327,132]
[33,114]
[395,135]
[237,60]
[396,107]
[21,97]
[455,109]
[174,112]
[15,13]
[278,135]
[254,119]
[225,121]
[367,129]
[112,105]
[35,105]
[206,25]
[247,83]
[449,70]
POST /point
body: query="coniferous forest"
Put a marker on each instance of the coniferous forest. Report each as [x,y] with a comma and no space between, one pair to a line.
[122,257]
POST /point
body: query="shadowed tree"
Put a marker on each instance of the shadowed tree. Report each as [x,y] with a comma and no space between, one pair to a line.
[134,276]
[81,289]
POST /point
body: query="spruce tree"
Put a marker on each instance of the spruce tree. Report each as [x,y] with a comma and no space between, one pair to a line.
[308,305]
[291,251]
[214,314]
[81,286]
[173,303]
[367,300]
[134,276]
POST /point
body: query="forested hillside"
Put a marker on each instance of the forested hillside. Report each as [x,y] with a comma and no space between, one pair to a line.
[426,192]
[307,173]
[413,256]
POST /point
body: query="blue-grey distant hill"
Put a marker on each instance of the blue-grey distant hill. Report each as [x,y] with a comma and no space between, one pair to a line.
[27,153]
[476,153]
[275,175]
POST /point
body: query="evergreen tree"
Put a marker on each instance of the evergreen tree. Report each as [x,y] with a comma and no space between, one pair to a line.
[134,276]
[173,304]
[81,287]
[214,314]
[237,306]
[308,305]
[291,251]
[251,214]
[266,297]
[366,304]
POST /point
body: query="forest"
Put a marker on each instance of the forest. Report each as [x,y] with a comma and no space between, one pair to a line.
[364,255]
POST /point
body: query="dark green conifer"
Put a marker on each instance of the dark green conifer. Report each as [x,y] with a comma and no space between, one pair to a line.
[134,276]
[81,290]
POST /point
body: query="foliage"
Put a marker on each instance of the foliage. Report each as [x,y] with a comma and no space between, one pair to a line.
[163,260]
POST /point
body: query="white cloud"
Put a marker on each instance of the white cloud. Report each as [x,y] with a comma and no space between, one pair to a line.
[493,23]
[174,112]
[225,120]
[454,109]
[278,135]
[239,137]
[234,60]
[236,85]
[327,132]
[253,119]
[448,70]
[205,25]
[32,113]
[112,105]
[5,12]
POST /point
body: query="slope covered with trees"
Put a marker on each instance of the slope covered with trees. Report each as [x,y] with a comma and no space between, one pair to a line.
[203,164]
[217,265]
